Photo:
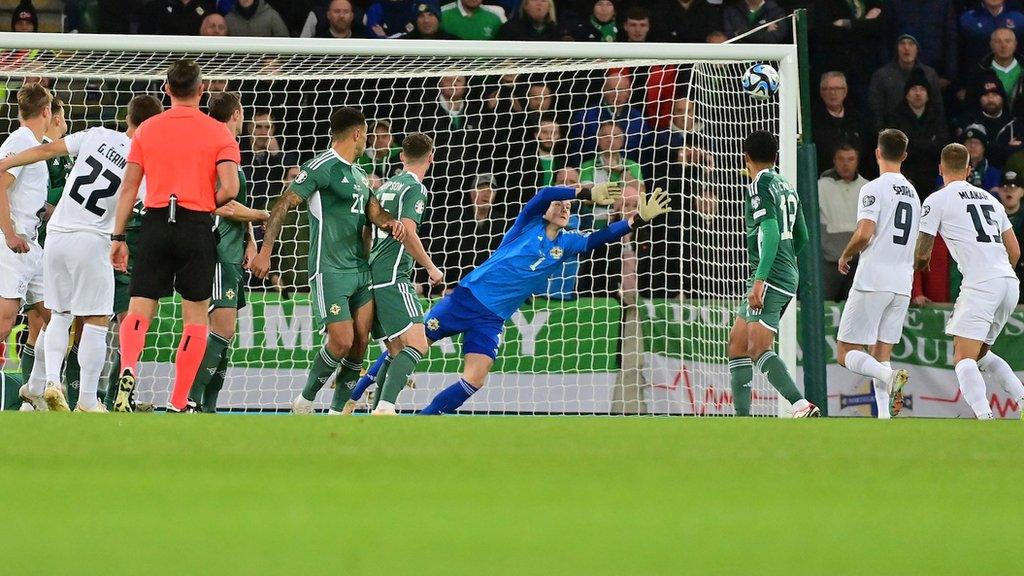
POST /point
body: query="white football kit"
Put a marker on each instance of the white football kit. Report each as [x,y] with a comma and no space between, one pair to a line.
[880,296]
[79,275]
[21,275]
[972,222]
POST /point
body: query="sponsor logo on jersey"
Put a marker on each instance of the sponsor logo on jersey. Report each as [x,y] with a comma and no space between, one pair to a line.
[335,308]
[301,177]
[556,252]
[419,207]
[926,210]
[868,201]
[433,324]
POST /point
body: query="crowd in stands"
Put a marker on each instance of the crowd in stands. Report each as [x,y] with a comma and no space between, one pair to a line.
[940,70]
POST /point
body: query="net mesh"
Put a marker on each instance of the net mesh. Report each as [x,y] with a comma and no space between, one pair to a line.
[639,326]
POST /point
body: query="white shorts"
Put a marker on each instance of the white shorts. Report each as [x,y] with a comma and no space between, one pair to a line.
[981,311]
[872,317]
[21,275]
[79,276]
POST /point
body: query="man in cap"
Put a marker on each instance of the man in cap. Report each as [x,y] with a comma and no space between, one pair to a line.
[886,92]
[982,173]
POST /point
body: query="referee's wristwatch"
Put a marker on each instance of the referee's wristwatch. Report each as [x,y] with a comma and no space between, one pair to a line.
[118,237]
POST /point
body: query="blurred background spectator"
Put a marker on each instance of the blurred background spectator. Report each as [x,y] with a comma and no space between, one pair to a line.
[977,25]
[1011,193]
[888,83]
[834,121]
[838,194]
[175,17]
[213,25]
[427,25]
[636,26]
[390,18]
[917,116]
[933,25]
[255,18]
[744,16]
[472,20]
[983,174]
[599,25]
[533,20]
[380,160]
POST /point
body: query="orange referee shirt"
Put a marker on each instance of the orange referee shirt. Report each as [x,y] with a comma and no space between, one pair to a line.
[178,151]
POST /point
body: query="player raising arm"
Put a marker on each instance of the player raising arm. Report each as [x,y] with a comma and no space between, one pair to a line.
[776,232]
[980,238]
[888,217]
[535,247]
[340,207]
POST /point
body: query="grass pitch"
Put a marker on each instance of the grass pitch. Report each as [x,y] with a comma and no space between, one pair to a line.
[159,494]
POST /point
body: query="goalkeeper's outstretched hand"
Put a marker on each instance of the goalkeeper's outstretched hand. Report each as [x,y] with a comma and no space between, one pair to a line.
[650,207]
[606,193]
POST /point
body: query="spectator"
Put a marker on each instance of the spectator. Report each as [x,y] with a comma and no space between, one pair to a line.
[1011,193]
[637,26]
[380,158]
[614,106]
[834,121]
[600,26]
[338,22]
[297,13]
[428,24]
[742,17]
[471,20]
[683,126]
[471,232]
[926,129]
[255,18]
[933,23]
[391,18]
[991,111]
[536,163]
[977,26]
[982,174]
[886,91]
[685,21]
[717,37]
[838,194]
[24,18]
[263,161]
[847,37]
[539,99]
[1004,65]
[609,165]
[174,17]
[213,25]
[534,20]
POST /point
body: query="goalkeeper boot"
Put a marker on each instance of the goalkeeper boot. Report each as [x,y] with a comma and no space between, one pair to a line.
[36,401]
[808,411]
[97,408]
[123,401]
[302,406]
[54,396]
[384,408]
[896,384]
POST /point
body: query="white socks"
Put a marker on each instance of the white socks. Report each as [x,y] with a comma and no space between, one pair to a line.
[883,396]
[92,352]
[37,380]
[972,386]
[55,344]
[862,363]
[1003,374]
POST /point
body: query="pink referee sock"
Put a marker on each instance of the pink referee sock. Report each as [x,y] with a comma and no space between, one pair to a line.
[133,339]
[186,363]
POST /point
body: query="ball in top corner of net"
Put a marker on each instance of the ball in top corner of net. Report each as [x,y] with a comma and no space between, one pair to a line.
[761,81]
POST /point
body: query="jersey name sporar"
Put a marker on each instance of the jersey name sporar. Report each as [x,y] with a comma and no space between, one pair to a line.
[231,234]
[770,197]
[887,263]
[89,202]
[28,194]
[404,196]
[336,191]
[971,221]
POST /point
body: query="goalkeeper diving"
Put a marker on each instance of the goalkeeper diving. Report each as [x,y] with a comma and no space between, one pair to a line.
[533,249]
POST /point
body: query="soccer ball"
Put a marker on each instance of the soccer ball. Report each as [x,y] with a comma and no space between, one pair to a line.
[761,81]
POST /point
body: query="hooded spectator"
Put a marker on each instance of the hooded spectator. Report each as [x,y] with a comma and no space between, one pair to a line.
[685,21]
[255,18]
[427,25]
[886,91]
[926,129]
[534,20]
[24,18]
[746,15]
[933,24]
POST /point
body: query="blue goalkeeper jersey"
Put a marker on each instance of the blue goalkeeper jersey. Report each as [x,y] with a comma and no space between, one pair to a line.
[526,258]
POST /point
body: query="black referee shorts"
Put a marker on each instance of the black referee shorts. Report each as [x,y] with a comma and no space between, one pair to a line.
[180,256]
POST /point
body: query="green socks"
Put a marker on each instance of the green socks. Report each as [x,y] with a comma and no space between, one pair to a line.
[347,377]
[28,360]
[402,366]
[72,376]
[215,384]
[112,379]
[741,374]
[778,376]
[323,366]
[382,376]
[216,346]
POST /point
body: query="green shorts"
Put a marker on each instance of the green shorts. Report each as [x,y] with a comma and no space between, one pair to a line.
[228,286]
[775,304]
[122,296]
[337,295]
[396,308]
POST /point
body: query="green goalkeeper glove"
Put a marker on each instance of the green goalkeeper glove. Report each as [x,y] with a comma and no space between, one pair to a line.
[650,207]
[606,193]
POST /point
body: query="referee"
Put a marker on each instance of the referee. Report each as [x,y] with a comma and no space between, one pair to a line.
[182,153]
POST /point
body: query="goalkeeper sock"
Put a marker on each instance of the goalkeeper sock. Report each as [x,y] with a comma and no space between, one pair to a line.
[132,336]
[323,366]
[55,344]
[37,378]
[216,383]
[73,375]
[972,386]
[186,363]
[448,400]
[398,373]
[216,345]
[369,378]
[28,360]
[741,374]
[112,378]
[93,355]
[778,376]
[343,384]
[883,396]
[1003,374]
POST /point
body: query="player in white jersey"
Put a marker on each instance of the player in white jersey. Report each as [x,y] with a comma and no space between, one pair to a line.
[79,279]
[888,217]
[22,196]
[980,238]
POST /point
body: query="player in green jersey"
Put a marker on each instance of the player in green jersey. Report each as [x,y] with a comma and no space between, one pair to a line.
[341,208]
[236,247]
[776,232]
[398,314]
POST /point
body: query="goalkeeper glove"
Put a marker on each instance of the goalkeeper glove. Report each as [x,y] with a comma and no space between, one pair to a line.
[605,193]
[650,207]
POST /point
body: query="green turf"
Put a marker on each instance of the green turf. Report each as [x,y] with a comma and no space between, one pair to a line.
[159,494]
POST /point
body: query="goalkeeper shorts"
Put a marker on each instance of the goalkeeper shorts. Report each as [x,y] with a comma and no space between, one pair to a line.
[461,313]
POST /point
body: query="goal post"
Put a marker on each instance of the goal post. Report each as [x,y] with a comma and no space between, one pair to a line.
[638,327]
